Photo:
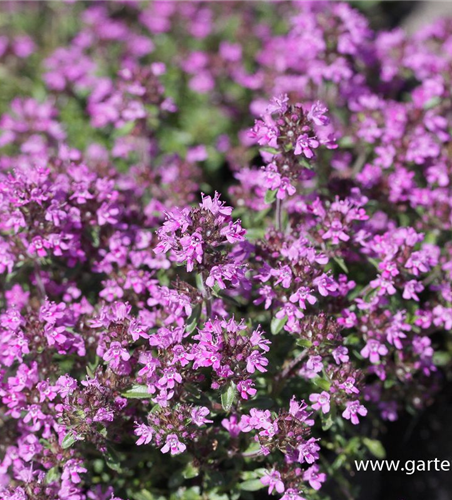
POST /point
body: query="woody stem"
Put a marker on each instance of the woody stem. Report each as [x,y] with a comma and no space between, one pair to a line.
[278,214]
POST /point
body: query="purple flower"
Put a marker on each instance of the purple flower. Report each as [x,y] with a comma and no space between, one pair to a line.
[29,446]
[145,432]
[352,410]
[118,358]
[257,419]
[265,133]
[246,388]
[411,289]
[314,364]
[305,144]
[386,286]
[278,104]
[298,410]
[191,250]
[308,451]
[155,295]
[272,479]
[349,386]
[199,415]
[256,361]
[303,295]
[373,350]
[65,385]
[116,352]
[321,401]
[292,494]
[173,445]
[325,285]
[215,205]
[285,188]
[266,295]
[257,340]
[104,415]
[314,477]
[340,355]
[317,114]
[39,246]
[72,469]
[232,425]
[336,232]
[169,378]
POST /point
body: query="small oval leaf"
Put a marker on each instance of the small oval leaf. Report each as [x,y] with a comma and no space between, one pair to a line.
[68,441]
[277,325]
[375,447]
[252,485]
[137,392]
[228,397]
[270,196]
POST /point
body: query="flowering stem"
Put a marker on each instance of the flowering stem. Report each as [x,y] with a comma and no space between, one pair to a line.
[359,163]
[287,371]
[278,214]
[291,366]
[207,296]
[252,454]
[39,283]
[208,299]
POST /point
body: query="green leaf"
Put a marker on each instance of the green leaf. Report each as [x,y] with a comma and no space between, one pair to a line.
[89,371]
[126,129]
[431,103]
[441,358]
[247,475]
[277,325]
[339,462]
[271,150]
[255,234]
[252,485]
[137,392]
[143,495]
[375,447]
[304,342]
[52,475]
[374,262]
[92,366]
[228,397]
[222,295]
[352,339]
[259,216]
[327,421]
[193,320]
[270,196]
[352,446]
[346,142]
[190,471]
[155,408]
[68,440]
[322,383]
[252,449]
[305,163]
[112,459]
[341,262]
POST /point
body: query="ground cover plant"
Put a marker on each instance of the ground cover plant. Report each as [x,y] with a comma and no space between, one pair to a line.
[225,246]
